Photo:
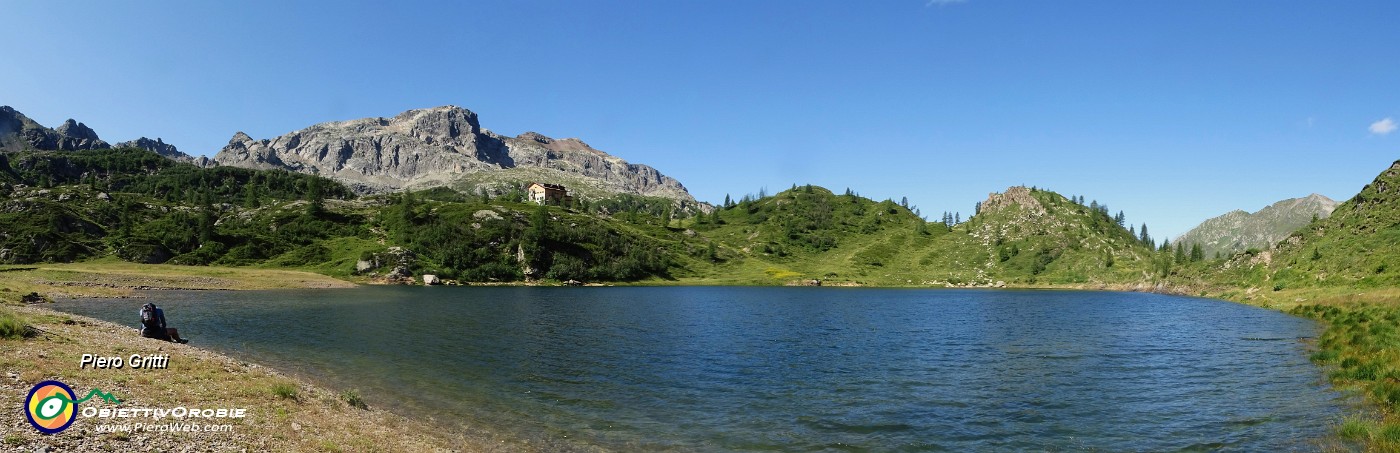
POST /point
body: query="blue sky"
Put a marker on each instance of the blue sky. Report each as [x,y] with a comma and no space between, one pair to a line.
[1170,111]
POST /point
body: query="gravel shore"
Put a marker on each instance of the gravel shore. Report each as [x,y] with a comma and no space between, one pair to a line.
[283,413]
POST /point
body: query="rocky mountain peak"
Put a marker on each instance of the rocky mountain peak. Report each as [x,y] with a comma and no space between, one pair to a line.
[448,121]
[239,137]
[535,136]
[76,130]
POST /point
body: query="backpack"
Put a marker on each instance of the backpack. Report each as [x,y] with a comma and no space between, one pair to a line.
[149,319]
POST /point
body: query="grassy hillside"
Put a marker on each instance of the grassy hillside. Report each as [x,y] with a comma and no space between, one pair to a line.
[1027,236]
[1354,248]
[137,206]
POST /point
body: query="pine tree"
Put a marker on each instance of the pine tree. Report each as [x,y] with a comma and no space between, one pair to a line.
[1180,252]
[315,198]
[1196,253]
[1144,237]
[904,201]
[728,202]
[977,208]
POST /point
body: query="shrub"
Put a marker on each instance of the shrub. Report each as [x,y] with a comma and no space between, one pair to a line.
[352,398]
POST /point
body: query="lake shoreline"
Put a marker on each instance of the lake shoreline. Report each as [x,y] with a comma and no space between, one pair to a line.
[283,413]
[127,280]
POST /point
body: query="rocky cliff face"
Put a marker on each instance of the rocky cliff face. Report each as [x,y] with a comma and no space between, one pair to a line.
[1237,231]
[18,132]
[443,146]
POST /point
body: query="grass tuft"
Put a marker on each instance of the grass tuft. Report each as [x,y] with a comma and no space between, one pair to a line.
[285,391]
[1354,429]
[11,327]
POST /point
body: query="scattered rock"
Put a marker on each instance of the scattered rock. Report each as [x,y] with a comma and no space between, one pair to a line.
[486,214]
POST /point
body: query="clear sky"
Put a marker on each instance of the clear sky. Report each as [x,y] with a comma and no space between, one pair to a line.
[1170,111]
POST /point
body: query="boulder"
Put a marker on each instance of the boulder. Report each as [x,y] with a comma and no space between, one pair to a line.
[430,280]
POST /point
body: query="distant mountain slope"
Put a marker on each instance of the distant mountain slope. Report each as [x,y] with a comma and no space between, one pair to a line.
[160,147]
[444,146]
[1237,231]
[18,132]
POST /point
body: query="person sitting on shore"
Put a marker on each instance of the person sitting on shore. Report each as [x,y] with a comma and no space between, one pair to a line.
[153,325]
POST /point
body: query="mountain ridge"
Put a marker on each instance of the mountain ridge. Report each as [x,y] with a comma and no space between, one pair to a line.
[19,132]
[440,146]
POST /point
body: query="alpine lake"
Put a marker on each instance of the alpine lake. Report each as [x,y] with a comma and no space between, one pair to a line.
[788,369]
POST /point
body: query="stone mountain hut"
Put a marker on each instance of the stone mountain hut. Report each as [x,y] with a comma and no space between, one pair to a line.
[542,193]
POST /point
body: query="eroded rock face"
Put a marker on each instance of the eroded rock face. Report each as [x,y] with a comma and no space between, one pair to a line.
[434,147]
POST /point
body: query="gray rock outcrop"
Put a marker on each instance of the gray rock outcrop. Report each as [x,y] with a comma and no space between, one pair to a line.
[443,146]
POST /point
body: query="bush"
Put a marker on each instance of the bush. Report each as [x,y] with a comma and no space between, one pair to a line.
[352,398]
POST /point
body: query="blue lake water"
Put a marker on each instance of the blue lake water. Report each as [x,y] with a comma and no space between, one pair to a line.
[790,369]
